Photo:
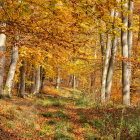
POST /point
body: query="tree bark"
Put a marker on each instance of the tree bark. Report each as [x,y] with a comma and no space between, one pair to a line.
[74,81]
[22,80]
[37,81]
[70,80]
[42,78]
[33,82]
[11,72]
[106,63]
[93,74]
[102,46]
[130,34]
[112,61]
[58,78]
[2,59]
[125,70]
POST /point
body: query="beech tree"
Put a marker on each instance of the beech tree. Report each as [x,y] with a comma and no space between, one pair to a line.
[106,63]
[2,59]
[125,68]
[22,80]
[130,34]
[12,68]
[112,58]
[37,81]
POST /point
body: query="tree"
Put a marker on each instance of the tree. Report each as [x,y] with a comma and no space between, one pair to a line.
[37,81]
[22,80]
[106,62]
[112,58]
[58,78]
[125,69]
[2,59]
[12,68]
[130,34]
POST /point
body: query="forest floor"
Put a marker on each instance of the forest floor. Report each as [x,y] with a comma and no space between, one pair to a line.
[66,114]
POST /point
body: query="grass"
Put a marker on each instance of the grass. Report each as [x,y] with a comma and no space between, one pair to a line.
[61,115]
[28,135]
[50,101]
[91,136]
[9,125]
[63,131]
[47,115]
[85,100]
[83,117]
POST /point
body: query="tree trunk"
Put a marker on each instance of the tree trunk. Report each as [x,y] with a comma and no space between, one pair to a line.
[92,81]
[22,80]
[111,68]
[102,46]
[130,35]
[93,74]
[37,81]
[2,59]
[74,81]
[33,84]
[106,63]
[11,72]
[112,61]
[58,78]
[70,80]
[42,78]
[125,70]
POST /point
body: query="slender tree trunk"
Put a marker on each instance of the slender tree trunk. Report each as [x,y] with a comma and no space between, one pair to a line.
[58,78]
[93,75]
[37,81]
[102,46]
[74,81]
[92,81]
[22,80]
[83,84]
[33,84]
[11,72]
[70,81]
[106,63]
[125,70]
[111,68]
[112,61]
[42,78]
[130,35]
[2,59]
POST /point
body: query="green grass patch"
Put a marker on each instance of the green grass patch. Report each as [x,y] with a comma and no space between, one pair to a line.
[9,125]
[51,101]
[61,115]
[91,136]
[97,124]
[51,122]
[47,115]
[28,135]
[63,131]
[59,103]
[84,100]
[42,134]
[83,117]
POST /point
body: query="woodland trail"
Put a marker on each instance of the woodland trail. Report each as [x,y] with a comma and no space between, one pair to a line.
[56,117]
